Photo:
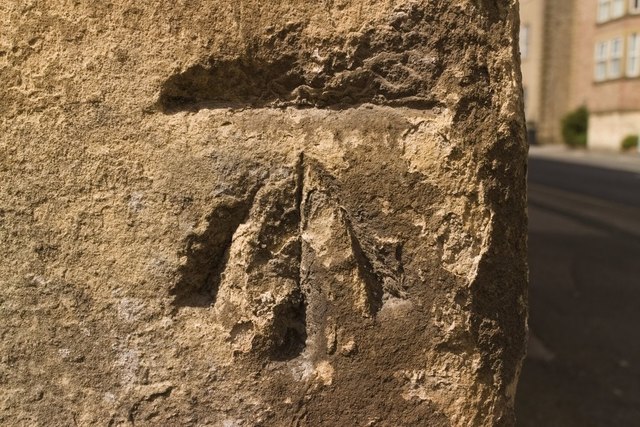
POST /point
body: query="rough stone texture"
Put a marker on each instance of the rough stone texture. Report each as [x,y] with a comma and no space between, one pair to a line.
[244,213]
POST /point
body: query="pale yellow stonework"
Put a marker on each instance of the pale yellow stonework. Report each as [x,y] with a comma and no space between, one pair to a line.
[246,213]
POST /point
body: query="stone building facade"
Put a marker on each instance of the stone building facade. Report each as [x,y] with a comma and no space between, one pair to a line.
[546,27]
[589,55]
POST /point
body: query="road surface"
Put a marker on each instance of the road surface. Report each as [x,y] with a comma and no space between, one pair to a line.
[583,367]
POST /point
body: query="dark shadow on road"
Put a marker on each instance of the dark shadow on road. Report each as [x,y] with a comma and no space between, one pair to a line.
[606,184]
[585,311]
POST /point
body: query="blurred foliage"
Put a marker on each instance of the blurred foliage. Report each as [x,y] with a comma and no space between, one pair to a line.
[574,127]
[630,141]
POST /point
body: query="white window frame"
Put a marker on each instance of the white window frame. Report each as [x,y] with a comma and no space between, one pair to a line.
[601,57]
[616,55]
[604,11]
[634,6]
[617,8]
[525,32]
[633,55]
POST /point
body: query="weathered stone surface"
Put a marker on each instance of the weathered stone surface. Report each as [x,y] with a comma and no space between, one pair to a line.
[245,213]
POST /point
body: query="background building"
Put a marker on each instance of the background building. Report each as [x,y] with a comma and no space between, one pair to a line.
[582,52]
[545,43]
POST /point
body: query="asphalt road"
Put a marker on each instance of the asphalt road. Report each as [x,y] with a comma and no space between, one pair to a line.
[583,367]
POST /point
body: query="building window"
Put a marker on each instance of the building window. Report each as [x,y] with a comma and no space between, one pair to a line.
[603,10]
[602,49]
[617,8]
[609,56]
[634,6]
[633,56]
[615,58]
[524,41]
[612,9]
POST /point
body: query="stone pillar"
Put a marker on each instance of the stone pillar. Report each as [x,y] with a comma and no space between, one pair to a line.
[261,213]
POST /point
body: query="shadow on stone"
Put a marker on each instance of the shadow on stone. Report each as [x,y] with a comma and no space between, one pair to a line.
[207,255]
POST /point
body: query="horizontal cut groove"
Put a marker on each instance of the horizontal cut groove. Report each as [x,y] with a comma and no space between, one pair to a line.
[252,83]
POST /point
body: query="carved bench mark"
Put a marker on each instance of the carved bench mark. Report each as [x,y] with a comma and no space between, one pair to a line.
[265,264]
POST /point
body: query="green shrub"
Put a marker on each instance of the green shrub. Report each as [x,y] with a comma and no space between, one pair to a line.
[630,142]
[574,128]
